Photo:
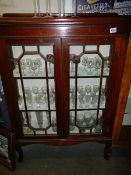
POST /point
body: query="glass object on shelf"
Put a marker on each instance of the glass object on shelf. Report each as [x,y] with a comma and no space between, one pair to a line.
[34,94]
[40,122]
[86,122]
[33,61]
[92,60]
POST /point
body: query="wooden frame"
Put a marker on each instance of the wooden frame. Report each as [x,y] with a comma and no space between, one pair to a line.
[7,152]
[124,90]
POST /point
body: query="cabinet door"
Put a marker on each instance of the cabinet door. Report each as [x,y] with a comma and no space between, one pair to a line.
[92,83]
[34,66]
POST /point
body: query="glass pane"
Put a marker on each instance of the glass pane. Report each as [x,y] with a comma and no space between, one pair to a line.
[33,71]
[89,72]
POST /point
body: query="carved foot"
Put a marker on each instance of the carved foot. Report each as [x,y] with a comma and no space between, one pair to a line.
[20,154]
[107,152]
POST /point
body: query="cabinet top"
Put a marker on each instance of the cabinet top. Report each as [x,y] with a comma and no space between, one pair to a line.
[29,26]
[84,20]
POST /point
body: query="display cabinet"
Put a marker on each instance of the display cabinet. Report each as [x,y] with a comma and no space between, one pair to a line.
[62,77]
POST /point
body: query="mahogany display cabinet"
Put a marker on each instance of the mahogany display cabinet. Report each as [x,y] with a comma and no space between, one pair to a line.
[62,77]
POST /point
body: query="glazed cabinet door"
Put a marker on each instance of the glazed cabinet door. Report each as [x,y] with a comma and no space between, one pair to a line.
[32,85]
[92,82]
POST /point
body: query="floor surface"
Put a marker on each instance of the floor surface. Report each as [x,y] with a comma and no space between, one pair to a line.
[83,159]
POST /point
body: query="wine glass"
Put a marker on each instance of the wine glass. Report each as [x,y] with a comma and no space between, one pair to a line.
[80,120]
[94,100]
[106,67]
[72,96]
[23,67]
[39,117]
[28,65]
[90,64]
[84,63]
[33,67]
[97,65]
[16,68]
[87,100]
[20,102]
[89,119]
[52,97]
[95,89]
[98,129]
[54,124]
[28,96]
[88,89]
[45,97]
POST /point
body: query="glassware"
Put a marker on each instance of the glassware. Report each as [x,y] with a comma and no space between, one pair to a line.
[20,102]
[74,7]
[28,96]
[90,64]
[35,8]
[94,100]
[80,120]
[87,100]
[54,125]
[28,66]
[97,65]
[95,89]
[88,89]
[84,63]
[72,96]
[89,120]
[23,67]
[98,129]
[45,98]
[52,97]
[48,9]
[16,68]
[72,68]
[106,67]
[39,117]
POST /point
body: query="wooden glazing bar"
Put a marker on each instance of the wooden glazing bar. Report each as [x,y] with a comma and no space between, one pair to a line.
[48,93]
[23,90]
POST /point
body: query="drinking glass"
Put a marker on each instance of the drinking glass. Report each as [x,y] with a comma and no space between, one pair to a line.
[84,63]
[20,102]
[80,120]
[95,89]
[39,117]
[94,100]
[23,67]
[87,100]
[90,64]
[98,129]
[28,66]
[97,65]
[54,124]
[89,119]
[72,96]
[33,67]
[106,67]
[28,96]
[16,68]
[88,89]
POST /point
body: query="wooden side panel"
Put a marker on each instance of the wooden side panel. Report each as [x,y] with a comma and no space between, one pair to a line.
[124,90]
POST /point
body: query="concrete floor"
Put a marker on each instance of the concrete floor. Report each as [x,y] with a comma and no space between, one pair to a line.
[83,159]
